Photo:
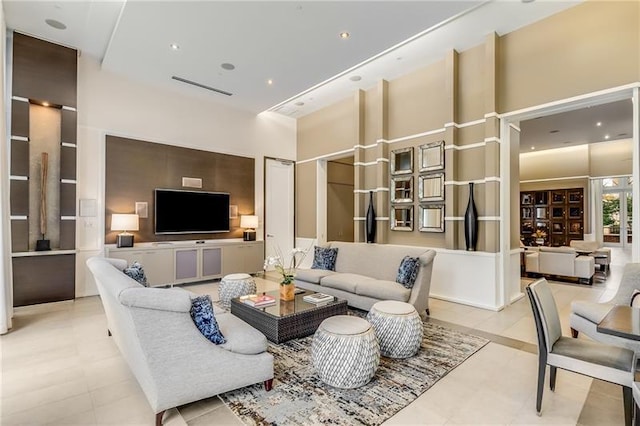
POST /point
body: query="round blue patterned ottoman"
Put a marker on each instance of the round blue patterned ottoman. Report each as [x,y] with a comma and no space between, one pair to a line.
[235,285]
[398,328]
[345,351]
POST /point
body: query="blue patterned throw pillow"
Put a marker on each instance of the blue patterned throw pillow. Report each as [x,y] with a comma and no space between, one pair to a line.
[324,258]
[136,272]
[202,314]
[408,271]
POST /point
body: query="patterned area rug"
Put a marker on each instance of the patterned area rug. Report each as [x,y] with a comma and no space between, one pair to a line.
[299,397]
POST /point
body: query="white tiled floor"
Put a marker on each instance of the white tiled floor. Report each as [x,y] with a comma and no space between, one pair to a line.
[60,367]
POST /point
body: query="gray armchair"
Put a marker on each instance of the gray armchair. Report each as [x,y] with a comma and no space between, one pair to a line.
[585,316]
[605,362]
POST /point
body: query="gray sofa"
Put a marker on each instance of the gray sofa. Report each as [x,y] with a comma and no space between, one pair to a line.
[585,316]
[172,361]
[366,273]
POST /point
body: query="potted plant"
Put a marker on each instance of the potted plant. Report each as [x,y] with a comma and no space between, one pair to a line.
[287,287]
[540,235]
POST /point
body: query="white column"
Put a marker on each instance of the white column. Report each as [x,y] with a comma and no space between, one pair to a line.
[6,289]
[321,201]
[635,225]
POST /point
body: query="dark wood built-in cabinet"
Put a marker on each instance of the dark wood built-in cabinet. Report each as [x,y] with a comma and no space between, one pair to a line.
[559,213]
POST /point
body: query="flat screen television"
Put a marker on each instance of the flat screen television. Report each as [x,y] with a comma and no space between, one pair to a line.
[191,212]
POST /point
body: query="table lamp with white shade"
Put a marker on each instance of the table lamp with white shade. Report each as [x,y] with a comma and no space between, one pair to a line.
[124,222]
[250,223]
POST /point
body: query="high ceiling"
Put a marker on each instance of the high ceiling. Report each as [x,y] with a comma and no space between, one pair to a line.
[295,44]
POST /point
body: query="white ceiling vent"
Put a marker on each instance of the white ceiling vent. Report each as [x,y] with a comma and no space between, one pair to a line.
[188,182]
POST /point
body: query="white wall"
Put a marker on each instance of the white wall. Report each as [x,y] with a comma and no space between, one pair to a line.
[111,104]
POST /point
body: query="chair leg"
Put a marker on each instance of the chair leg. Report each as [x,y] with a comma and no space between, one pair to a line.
[159,418]
[627,399]
[574,333]
[542,369]
[552,378]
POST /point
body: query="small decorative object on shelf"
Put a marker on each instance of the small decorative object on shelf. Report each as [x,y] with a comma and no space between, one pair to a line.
[371,220]
[471,222]
[540,235]
[287,287]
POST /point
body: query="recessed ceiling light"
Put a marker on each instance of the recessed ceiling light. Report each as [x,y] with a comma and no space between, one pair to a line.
[174,46]
[344,35]
[45,103]
[269,82]
[606,136]
[299,103]
[533,147]
[55,24]
[227,66]
[599,123]
[355,78]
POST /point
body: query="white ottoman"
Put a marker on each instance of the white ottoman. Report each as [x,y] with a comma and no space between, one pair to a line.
[235,285]
[398,328]
[345,351]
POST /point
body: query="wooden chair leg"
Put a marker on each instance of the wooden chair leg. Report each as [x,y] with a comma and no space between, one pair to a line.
[574,333]
[552,378]
[542,368]
[159,418]
[268,385]
[627,399]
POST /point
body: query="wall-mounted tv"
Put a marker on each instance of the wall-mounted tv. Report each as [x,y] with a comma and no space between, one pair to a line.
[191,212]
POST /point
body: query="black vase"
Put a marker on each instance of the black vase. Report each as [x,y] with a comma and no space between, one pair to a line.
[370,222]
[471,222]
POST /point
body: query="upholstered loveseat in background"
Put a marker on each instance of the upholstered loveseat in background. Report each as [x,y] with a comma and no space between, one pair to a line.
[560,261]
[366,273]
[172,361]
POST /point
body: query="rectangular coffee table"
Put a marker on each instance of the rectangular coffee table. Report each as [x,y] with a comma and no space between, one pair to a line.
[287,320]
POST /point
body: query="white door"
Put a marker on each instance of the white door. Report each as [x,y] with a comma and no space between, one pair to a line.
[279,208]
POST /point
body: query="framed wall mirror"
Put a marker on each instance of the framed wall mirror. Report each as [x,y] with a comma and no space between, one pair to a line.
[402,189]
[402,218]
[431,156]
[402,161]
[431,218]
[431,187]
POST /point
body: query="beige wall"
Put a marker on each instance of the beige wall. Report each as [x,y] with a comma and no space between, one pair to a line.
[550,60]
[340,201]
[589,47]
[611,158]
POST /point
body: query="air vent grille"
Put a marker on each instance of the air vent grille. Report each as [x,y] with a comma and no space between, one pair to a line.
[203,86]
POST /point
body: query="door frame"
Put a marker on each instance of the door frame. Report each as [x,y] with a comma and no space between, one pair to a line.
[264,198]
[510,291]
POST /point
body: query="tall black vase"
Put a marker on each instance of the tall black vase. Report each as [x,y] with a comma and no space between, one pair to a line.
[370,222]
[471,222]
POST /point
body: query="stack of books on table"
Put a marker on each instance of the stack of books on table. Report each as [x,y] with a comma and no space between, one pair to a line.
[258,300]
[318,298]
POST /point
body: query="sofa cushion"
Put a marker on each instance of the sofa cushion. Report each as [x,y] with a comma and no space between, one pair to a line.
[312,275]
[594,312]
[241,337]
[408,271]
[202,314]
[383,290]
[136,272]
[324,258]
[346,282]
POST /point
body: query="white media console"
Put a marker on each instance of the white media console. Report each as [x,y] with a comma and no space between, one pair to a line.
[180,262]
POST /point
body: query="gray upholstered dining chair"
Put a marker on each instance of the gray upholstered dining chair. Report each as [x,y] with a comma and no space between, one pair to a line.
[605,362]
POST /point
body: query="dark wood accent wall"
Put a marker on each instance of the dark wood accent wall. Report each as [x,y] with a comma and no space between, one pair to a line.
[135,168]
[41,279]
[44,71]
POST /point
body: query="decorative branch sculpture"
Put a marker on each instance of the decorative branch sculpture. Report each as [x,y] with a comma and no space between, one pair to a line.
[43,244]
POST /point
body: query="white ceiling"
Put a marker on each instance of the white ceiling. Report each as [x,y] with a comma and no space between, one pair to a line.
[294,43]
[578,127]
